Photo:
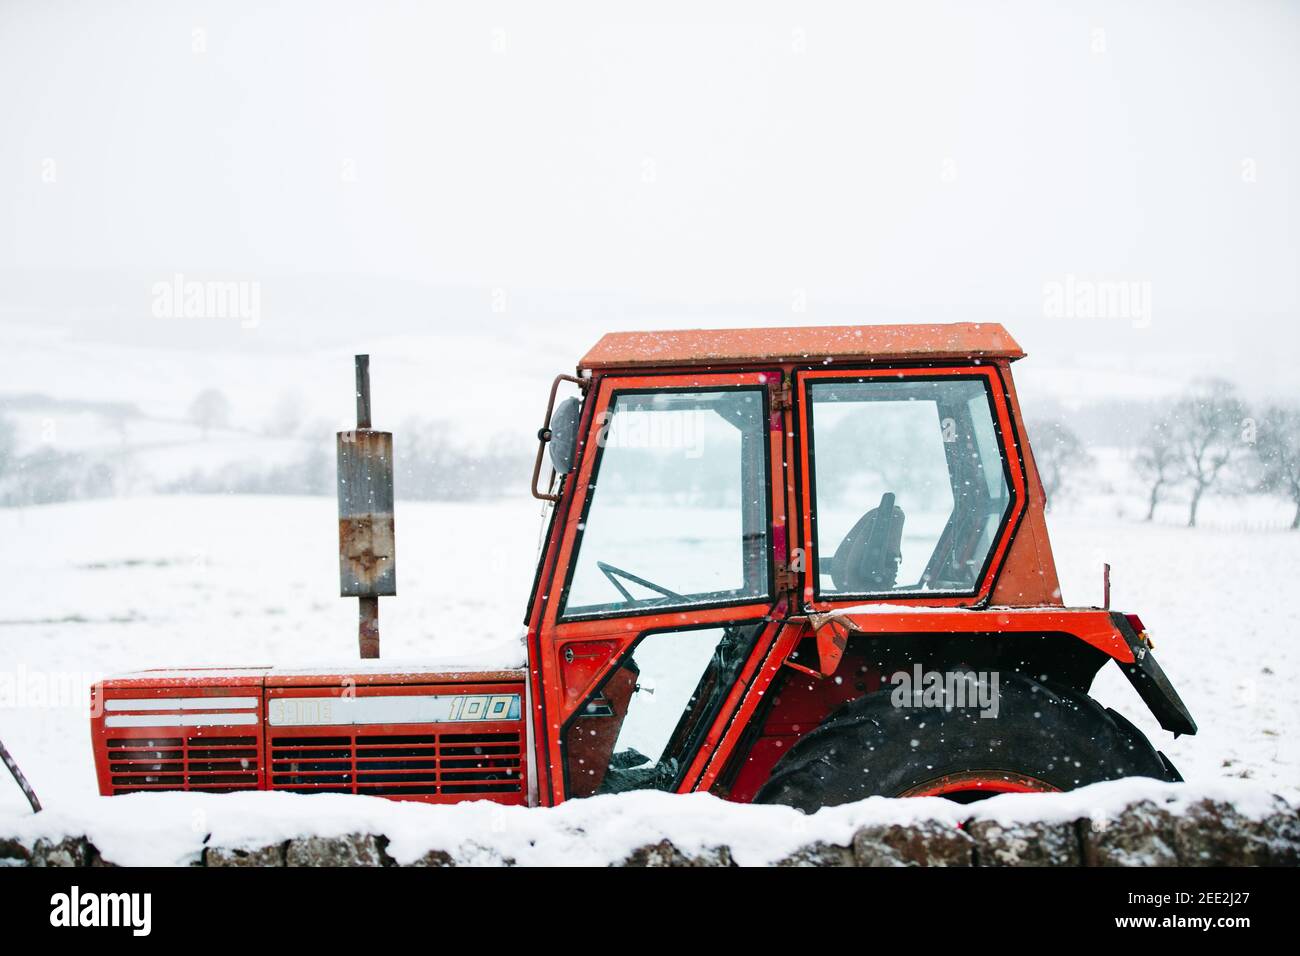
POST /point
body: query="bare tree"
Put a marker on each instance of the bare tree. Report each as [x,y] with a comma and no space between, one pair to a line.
[1157,462]
[1278,447]
[117,416]
[431,464]
[209,410]
[1060,454]
[1206,431]
[286,416]
[8,444]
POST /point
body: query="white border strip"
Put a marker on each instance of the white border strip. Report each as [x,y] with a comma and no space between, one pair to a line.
[181,703]
[179,720]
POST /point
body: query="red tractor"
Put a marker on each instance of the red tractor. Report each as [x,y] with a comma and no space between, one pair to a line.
[799,566]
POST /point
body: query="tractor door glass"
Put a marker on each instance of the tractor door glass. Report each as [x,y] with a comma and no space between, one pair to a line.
[644,725]
[678,507]
[910,485]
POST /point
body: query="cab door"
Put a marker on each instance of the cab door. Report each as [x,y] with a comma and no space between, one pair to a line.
[657,606]
[927,517]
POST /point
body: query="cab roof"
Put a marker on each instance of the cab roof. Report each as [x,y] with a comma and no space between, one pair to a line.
[957,341]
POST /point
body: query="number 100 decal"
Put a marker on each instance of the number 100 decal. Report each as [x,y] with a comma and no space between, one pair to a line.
[485,707]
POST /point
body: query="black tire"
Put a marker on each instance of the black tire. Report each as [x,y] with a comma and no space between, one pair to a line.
[1051,736]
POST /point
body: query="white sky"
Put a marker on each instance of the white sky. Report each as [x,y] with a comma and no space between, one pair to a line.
[914,161]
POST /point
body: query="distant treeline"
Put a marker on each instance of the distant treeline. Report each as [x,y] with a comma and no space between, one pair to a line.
[430,465]
[1208,441]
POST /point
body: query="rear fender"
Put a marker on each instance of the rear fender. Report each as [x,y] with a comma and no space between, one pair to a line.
[1113,634]
[1149,680]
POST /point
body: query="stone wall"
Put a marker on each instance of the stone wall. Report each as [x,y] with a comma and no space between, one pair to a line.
[1204,833]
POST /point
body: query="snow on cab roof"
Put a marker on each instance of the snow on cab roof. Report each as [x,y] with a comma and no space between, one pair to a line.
[952,341]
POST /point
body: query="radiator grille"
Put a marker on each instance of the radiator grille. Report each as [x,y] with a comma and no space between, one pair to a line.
[416,764]
[210,764]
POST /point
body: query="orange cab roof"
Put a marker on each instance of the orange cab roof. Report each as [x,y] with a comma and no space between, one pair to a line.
[954,341]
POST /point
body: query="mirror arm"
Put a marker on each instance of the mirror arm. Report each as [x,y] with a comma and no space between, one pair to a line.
[544,433]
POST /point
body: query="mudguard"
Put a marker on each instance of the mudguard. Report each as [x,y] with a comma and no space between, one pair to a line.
[1118,636]
[1149,680]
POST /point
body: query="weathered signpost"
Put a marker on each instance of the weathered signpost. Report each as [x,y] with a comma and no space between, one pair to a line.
[367,565]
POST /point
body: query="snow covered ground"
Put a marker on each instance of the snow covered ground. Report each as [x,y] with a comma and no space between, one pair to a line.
[101,587]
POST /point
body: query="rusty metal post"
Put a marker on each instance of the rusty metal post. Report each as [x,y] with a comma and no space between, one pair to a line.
[368,627]
[367,549]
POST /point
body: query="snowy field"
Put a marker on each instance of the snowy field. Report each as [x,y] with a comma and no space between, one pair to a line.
[100,587]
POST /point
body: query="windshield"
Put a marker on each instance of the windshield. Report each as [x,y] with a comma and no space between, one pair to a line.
[677,514]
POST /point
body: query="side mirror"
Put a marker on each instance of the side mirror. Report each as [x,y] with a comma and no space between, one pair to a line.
[564,435]
[560,431]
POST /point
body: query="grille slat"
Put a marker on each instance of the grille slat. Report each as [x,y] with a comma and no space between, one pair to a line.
[398,765]
[210,764]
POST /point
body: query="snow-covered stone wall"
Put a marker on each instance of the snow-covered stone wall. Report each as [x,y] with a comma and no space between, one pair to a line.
[1128,823]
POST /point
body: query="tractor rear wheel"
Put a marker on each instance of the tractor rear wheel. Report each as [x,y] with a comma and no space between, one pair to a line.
[1043,738]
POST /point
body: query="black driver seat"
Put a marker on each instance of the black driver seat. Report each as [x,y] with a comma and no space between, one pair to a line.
[867,559]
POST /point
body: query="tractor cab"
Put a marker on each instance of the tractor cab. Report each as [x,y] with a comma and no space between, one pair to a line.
[753,528]
[682,519]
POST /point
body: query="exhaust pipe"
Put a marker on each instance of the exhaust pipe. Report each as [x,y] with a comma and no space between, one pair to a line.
[367,546]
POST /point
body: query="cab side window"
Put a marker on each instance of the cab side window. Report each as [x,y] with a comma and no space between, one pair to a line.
[910,484]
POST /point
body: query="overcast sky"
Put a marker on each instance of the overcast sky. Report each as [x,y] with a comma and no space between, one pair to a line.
[779,163]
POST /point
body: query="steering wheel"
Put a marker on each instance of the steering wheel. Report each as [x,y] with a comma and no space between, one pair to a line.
[614,574]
